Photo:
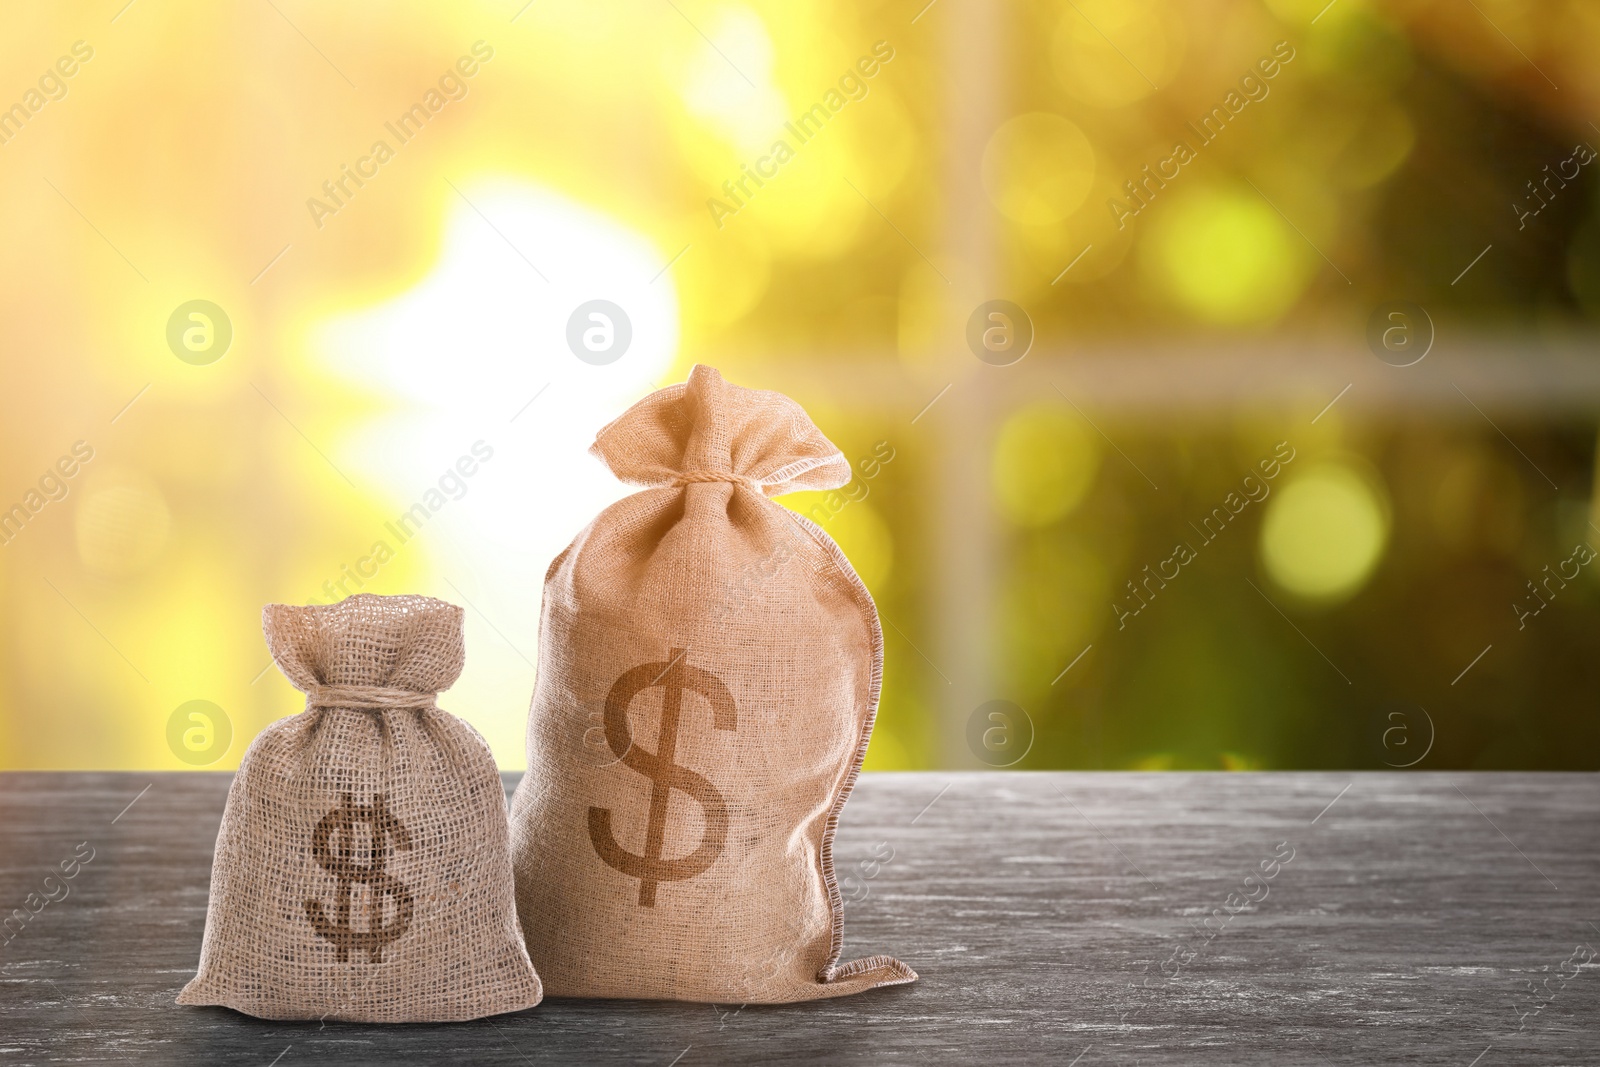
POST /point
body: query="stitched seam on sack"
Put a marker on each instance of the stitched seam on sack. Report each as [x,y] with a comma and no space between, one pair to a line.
[791,471]
[831,971]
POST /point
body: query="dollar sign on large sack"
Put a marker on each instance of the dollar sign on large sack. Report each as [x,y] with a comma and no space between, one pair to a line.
[334,845]
[673,676]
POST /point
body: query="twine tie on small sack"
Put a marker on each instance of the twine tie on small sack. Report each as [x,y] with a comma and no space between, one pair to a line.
[368,698]
[691,477]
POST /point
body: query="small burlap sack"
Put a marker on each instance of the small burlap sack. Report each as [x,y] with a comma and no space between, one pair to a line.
[693,737]
[363,868]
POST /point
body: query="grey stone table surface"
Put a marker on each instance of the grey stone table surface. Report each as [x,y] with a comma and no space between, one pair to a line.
[1069,918]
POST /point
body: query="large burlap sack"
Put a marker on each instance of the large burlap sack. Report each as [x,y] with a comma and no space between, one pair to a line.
[363,868]
[691,857]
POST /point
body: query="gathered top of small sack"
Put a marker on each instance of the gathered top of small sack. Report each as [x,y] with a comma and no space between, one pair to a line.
[412,644]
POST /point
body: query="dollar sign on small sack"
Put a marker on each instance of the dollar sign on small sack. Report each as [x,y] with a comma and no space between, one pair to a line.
[673,676]
[333,845]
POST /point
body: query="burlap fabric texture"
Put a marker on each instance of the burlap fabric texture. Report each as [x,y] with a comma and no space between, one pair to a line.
[709,667]
[363,869]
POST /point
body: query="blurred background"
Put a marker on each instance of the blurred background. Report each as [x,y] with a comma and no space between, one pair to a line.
[1220,375]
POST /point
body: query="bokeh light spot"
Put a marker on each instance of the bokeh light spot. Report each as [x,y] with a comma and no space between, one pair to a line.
[745,112]
[1045,460]
[121,525]
[1583,264]
[1381,143]
[864,538]
[511,383]
[1037,168]
[1148,43]
[1226,256]
[886,752]
[1324,532]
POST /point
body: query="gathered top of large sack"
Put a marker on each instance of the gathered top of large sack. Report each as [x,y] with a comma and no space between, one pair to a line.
[363,866]
[707,429]
[709,671]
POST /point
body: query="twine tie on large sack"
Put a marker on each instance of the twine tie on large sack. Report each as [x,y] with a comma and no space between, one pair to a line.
[368,698]
[692,477]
